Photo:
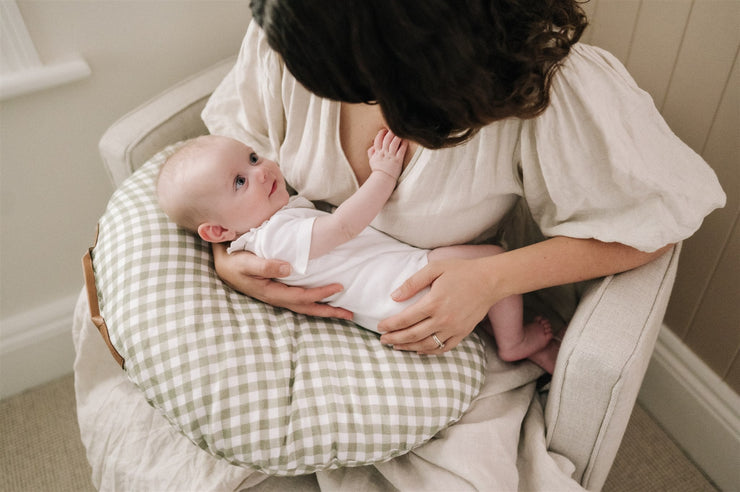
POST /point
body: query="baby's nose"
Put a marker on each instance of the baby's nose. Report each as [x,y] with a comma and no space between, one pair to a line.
[260,174]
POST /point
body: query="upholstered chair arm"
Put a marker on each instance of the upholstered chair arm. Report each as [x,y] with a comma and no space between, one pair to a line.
[171,116]
[601,365]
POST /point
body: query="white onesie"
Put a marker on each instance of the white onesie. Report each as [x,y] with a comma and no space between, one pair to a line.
[370,266]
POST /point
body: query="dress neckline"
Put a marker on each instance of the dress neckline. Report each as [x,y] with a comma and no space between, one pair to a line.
[336,121]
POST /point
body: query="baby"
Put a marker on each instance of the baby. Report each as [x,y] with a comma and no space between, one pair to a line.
[223,190]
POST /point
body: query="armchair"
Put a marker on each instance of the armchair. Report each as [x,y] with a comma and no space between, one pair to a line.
[603,357]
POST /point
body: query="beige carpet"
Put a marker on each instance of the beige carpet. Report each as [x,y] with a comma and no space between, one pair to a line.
[40,449]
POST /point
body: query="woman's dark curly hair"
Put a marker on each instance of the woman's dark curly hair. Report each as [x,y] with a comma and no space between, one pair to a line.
[439,69]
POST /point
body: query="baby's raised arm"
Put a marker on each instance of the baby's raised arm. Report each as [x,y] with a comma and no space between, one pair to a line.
[356,213]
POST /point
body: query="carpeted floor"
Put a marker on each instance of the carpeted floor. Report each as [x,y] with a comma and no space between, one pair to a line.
[40,449]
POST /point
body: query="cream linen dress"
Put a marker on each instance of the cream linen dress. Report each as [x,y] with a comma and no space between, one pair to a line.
[599,163]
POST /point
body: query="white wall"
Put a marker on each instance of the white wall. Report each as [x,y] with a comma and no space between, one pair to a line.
[52,184]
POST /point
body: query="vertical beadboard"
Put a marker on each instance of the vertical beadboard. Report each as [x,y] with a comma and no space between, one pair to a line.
[590,9]
[701,252]
[656,43]
[684,53]
[733,374]
[612,26]
[715,335]
[714,330]
[702,107]
[702,68]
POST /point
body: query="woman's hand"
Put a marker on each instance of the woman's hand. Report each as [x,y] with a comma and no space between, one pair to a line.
[458,300]
[462,291]
[251,275]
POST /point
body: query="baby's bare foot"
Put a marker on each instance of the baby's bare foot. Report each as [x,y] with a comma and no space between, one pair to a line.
[547,357]
[535,337]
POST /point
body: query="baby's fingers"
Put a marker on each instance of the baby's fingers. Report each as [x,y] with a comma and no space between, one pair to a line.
[401,151]
[379,138]
[394,144]
[389,140]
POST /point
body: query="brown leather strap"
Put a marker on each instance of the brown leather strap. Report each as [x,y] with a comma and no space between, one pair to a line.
[92,301]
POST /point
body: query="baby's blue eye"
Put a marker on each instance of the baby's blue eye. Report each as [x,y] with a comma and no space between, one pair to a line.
[239,182]
[253,158]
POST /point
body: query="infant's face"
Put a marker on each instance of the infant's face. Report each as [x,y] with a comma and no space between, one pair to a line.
[244,189]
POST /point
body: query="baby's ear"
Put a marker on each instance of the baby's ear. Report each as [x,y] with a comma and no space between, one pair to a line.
[215,233]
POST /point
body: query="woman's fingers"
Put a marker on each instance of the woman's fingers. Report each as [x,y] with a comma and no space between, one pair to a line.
[450,310]
[308,301]
[252,265]
[409,328]
[422,339]
[251,275]
[430,346]
[298,299]
[415,283]
[245,263]
[412,330]
[410,325]
[323,311]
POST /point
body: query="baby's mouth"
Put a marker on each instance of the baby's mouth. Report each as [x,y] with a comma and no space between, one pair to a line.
[274,187]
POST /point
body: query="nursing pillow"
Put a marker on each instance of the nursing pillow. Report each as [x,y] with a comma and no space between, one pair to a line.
[259,386]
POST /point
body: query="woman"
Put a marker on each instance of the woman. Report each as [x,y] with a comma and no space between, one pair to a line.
[499,102]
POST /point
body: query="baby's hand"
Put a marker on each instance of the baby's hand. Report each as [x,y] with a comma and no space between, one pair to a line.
[386,154]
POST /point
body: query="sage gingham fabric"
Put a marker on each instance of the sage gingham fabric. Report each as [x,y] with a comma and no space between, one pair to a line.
[260,386]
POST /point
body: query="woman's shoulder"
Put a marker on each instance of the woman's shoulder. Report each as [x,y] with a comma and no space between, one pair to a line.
[602,162]
[592,73]
[592,89]
[256,47]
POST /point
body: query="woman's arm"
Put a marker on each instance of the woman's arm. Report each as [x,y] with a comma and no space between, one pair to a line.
[462,291]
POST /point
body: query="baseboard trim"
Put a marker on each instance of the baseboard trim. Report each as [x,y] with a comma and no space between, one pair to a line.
[695,407]
[36,346]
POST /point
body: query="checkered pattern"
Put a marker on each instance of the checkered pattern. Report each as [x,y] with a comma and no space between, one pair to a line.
[260,386]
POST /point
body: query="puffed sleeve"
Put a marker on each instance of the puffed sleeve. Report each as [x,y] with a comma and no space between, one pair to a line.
[247,105]
[600,162]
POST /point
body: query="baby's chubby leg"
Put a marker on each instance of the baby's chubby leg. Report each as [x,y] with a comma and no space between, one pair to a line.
[515,340]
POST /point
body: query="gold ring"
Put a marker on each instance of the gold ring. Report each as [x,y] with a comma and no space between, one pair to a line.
[439,343]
